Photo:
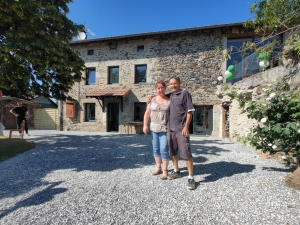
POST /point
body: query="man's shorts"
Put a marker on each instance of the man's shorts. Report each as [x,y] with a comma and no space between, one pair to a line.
[177,142]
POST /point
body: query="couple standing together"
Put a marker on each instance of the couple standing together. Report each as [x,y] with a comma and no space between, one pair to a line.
[170,117]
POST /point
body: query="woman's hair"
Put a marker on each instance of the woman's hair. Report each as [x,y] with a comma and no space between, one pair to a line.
[176,78]
[160,82]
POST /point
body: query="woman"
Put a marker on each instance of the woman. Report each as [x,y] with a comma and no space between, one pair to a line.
[158,110]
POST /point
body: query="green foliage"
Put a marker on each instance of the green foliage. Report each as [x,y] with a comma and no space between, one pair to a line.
[278,114]
[35,56]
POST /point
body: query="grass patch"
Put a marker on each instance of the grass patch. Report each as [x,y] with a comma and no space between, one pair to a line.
[13,147]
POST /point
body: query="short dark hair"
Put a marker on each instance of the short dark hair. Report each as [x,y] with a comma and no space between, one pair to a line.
[176,78]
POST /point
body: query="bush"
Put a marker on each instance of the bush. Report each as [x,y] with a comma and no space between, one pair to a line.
[278,116]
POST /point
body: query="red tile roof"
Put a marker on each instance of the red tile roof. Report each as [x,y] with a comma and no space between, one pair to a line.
[110,92]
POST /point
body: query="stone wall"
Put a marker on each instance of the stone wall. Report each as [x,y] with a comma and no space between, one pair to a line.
[190,56]
[239,123]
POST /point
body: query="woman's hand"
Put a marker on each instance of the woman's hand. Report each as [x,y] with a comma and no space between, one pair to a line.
[145,129]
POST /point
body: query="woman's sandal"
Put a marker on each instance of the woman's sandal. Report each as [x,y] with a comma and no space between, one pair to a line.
[164,176]
[157,171]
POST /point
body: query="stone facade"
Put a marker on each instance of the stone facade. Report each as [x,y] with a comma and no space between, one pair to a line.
[240,124]
[189,54]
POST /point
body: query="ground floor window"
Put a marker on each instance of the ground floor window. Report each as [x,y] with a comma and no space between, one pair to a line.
[139,111]
[89,112]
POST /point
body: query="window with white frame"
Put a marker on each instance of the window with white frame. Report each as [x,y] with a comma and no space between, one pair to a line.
[90,112]
[140,74]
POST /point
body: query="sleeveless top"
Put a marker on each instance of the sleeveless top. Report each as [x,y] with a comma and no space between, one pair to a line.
[159,114]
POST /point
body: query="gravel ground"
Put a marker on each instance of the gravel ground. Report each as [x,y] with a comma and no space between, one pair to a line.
[105,178]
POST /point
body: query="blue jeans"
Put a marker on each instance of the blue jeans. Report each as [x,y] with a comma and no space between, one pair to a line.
[160,145]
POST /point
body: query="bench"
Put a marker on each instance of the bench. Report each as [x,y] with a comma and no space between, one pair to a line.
[22,130]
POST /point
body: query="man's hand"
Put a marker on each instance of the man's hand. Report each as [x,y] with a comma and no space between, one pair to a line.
[150,98]
[185,132]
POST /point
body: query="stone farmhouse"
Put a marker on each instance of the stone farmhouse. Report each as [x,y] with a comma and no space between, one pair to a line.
[121,72]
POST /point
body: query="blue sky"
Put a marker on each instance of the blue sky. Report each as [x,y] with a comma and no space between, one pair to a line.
[108,18]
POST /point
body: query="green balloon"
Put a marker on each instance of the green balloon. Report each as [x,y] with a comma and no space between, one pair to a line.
[229,76]
[262,56]
[231,68]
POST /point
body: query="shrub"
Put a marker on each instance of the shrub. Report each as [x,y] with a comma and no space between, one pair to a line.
[278,116]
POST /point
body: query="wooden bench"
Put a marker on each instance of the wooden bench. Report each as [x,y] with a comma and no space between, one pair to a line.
[22,130]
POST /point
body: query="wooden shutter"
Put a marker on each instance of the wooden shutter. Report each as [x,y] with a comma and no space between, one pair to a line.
[70,110]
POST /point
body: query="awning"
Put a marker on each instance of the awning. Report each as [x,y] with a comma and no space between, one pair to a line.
[122,92]
[101,94]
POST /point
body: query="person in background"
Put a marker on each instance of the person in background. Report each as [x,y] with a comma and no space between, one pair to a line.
[181,111]
[158,110]
[21,112]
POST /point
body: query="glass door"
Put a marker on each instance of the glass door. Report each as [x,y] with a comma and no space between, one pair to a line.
[202,120]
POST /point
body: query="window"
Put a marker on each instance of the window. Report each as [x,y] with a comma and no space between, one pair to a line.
[113,75]
[140,73]
[139,111]
[90,52]
[90,112]
[140,48]
[249,63]
[90,76]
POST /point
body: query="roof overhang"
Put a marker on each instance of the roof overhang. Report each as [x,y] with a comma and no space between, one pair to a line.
[4,99]
[101,94]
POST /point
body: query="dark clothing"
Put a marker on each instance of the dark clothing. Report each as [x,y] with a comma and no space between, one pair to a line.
[180,104]
[21,111]
[177,142]
[19,124]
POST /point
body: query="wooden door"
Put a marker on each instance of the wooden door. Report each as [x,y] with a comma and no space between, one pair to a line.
[9,119]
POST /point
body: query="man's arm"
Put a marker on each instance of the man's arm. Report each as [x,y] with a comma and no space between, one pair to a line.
[185,130]
[146,119]
[13,111]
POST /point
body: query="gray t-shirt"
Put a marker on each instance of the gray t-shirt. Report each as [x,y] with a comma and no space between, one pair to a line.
[159,114]
[180,105]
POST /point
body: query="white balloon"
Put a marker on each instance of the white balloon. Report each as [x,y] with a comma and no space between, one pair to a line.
[220,78]
[227,72]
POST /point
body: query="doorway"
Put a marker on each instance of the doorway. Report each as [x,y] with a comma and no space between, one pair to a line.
[202,124]
[112,117]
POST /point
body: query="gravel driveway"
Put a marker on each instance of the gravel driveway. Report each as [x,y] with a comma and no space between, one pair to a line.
[105,178]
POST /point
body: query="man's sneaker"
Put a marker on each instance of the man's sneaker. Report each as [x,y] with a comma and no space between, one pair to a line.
[174,175]
[191,184]
[27,135]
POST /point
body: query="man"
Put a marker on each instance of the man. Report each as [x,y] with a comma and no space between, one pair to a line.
[21,112]
[181,110]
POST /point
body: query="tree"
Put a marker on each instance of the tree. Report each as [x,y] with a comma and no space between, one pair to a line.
[273,16]
[35,56]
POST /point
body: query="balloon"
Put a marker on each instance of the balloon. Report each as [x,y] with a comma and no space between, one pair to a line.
[261,56]
[229,76]
[226,72]
[220,78]
[264,63]
[231,68]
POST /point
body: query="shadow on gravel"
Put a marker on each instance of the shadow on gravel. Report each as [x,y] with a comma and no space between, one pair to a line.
[104,153]
[36,199]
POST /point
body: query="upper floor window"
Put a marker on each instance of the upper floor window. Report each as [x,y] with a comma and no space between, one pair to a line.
[140,73]
[248,64]
[113,75]
[140,48]
[139,111]
[90,112]
[90,52]
[90,76]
